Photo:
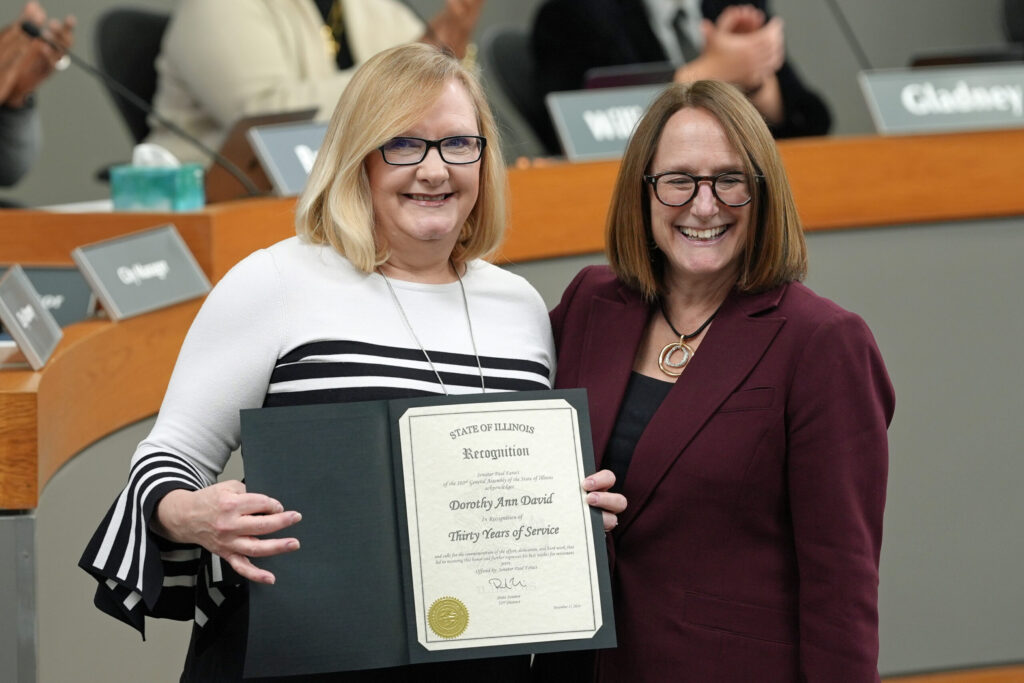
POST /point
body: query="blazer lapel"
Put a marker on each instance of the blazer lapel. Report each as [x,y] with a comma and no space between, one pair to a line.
[614,329]
[734,344]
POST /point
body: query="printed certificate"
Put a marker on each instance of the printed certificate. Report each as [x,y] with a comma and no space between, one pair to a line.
[501,542]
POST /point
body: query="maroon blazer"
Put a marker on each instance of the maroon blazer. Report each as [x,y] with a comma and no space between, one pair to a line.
[749,550]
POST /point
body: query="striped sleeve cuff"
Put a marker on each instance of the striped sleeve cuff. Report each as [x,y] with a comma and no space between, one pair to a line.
[141,573]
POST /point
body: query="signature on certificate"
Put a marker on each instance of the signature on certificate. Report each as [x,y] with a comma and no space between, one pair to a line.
[506,583]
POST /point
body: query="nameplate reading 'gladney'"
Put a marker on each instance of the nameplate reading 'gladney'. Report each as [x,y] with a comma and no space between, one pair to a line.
[141,272]
[596,124]
[941,99]
[24,316]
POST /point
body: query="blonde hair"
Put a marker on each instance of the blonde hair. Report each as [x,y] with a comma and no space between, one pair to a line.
[386,96]
[775,251]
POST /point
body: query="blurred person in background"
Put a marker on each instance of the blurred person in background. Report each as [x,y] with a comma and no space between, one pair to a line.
[225,59]
[24,64]
[737,42]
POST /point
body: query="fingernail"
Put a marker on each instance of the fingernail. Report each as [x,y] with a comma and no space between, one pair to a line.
[589,482]
[592,498]
[293,545]
[297,517]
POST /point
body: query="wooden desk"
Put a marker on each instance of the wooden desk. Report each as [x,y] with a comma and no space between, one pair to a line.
[853,182]
[556,210]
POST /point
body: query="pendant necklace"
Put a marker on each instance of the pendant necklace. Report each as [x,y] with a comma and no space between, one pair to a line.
[469,322]
[675,368]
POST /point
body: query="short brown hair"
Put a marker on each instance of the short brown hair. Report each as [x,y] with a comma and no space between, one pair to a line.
[386,96]
[775,251]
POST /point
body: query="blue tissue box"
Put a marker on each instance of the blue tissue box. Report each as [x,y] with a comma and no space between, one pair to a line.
[142,188]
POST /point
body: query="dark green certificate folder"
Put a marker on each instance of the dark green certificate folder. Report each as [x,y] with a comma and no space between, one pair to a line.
[344,601]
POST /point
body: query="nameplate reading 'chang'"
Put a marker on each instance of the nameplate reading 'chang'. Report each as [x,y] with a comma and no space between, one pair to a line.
[942,99]
[141,272]
[596,124]
[24,316]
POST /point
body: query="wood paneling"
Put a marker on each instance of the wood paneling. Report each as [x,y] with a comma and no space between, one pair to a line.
[106,375]
[854,182]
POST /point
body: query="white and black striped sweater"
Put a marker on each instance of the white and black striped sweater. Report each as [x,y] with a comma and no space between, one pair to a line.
[294,324]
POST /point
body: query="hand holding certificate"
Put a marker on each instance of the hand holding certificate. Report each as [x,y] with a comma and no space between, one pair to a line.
[432,529]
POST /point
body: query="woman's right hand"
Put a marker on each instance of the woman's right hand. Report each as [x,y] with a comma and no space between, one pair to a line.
[228,521]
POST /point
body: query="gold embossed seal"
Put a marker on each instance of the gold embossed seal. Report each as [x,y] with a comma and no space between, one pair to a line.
[448,617]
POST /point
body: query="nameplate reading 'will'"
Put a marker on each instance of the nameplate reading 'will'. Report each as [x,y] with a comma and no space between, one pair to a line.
[141,272]
[24,316]
[596,124]
[943,99]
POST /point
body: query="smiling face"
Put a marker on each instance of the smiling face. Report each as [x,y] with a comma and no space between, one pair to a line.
[420,209]
[702,241]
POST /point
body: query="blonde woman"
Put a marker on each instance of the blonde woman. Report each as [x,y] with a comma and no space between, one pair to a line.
[382,294]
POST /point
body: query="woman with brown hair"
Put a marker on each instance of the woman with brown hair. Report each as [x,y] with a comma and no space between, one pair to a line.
[744,416]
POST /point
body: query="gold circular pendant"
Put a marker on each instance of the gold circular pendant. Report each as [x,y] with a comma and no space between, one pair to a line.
[448,617]
[674,368]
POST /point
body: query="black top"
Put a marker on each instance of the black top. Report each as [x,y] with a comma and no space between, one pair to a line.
[643,397]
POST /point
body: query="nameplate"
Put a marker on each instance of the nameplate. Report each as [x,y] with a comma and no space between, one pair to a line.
[597,124]
[141,272]
[287,152]
[63,291]
[942,99]
[24,316]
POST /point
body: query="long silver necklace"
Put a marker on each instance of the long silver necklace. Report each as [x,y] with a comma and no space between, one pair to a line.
[412,333]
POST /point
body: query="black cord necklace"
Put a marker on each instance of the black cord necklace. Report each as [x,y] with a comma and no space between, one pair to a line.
[665,361]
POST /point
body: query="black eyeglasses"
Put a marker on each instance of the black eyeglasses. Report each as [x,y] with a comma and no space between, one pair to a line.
[457,149]
[676,188]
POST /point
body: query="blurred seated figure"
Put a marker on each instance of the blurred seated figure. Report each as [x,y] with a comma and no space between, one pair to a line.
[24,64]
[736,42]
[225,59]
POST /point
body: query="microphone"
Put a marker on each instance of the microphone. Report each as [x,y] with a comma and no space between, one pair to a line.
[36,32]
[851,38]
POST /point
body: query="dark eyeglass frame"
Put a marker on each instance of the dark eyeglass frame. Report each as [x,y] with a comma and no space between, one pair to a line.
[652,180]
[432,144]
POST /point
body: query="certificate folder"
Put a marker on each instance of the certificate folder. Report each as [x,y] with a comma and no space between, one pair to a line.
[358,594]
